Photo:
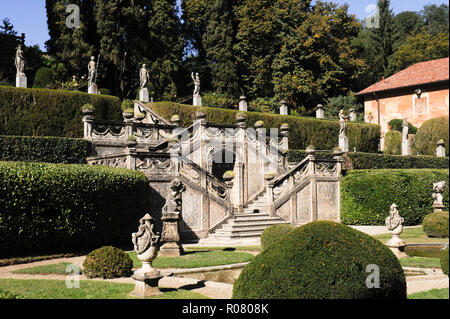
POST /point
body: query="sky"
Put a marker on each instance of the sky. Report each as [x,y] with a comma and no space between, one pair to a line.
[29,17]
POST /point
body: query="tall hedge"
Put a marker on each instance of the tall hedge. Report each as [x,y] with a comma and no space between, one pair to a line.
[429,134]
[44,149]
[304,131]
[393,143]
[47,208]
[366,195]
[43,112]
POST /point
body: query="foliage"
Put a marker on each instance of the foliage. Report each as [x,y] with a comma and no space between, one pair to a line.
[7,295]
[397,125]
[107,262]
[321,260]
[44,149]
[429,134]
[444,261]
[431,294]
[266,105]
[273,233]
[347,102]
[393,143]
[127,105]
[218,100]
[436,224]
[43,78]
[43,112]
[60,207]
[303,130]
[366,195]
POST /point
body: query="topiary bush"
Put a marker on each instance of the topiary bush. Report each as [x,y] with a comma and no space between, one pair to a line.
[43,78]
[271,234]
[322,260]
[397,125]
[444,261]
[107,262]
[436,225]
[393,143]
[366,195]
[429,134]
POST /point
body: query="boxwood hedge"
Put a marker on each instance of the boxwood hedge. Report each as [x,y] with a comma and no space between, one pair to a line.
[44,112]
[44,149]
[366,195]
[304,131]
[47,208]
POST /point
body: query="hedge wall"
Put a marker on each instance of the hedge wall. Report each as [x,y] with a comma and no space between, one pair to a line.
[44,149]
[366,195]
[43,112]
[48,208]
[304,131]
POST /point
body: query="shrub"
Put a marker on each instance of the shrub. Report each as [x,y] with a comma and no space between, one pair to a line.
[43,112]
[321,260]
[43,78]
[271,234]
[436,225]
[107,262]
[127,105]
[267,105]
[219,100]
[366,195]
[379,161]
[50,208]
[323,134]
[44,149]
[345,102]
[444,261]
[397,125]
[296,156]
[393,143]
[429,134]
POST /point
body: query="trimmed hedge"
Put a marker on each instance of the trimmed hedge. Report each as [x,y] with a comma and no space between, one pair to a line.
[43,112]
[393,143]
[273,233]
[44,149]
[436,225]
[366,195]
[107,262]
[304,131]
[322,260]
[429,134]
[444,261]
[48,208]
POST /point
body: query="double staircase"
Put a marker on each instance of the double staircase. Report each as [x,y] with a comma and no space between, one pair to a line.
[250,224]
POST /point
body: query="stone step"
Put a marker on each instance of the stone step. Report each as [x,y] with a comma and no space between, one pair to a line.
[245,228]
[255,234]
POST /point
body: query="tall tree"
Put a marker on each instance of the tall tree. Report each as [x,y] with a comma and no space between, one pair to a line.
[436,17]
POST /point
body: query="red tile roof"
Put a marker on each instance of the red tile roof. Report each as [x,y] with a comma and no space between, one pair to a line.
[417,74]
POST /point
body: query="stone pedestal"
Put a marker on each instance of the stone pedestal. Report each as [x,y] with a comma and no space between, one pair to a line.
[397,246]
[171,250]
[92,89]
[197,100]
[320,114]
[284,110]
[406,148]
[440,149]
[21,81]
[146,282]
[343,143]
[144,96]
[170,236]
[438,208]
[243,103]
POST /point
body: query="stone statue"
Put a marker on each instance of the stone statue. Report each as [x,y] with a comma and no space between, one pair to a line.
[171,215]
[91,71]
[438,189]
[196,80]
[144,76]
[145,243]
[20,62]
[405,130]
[394,223]
[342,123]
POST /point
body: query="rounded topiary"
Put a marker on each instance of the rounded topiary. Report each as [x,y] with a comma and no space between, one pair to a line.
[429,134]
[436,224]
[393,143]
[444,261]
[323,260]
[43,78]
[107,262]
[397,125]
[272,233]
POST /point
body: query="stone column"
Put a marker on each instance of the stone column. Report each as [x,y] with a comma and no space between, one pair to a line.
[243,103]
[269,190]
[440,149]
[284,110]
[128,119]
[88,119]
[284,129]
[352,115]
[320,114]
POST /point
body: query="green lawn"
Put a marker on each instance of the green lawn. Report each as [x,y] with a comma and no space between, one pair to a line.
[58,269]
[56,289]
[413,236]
[421,262]
[197,258]
[431,294]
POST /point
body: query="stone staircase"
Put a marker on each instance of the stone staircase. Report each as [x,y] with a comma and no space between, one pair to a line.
[250,224]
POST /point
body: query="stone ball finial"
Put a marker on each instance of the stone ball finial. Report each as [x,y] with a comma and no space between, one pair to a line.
[175,119]
[241,117]
[259,124]
[284,127]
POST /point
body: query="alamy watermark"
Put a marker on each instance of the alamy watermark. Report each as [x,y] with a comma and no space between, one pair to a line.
[373,279]
[73,277]
[373,20]
[73,19]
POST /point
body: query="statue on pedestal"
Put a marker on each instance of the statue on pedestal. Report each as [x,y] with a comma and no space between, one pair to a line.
[92,76]
[394,223]
[438,189]
[197,99]
[21,79]
[405,130]
[342,123]
[144,76]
